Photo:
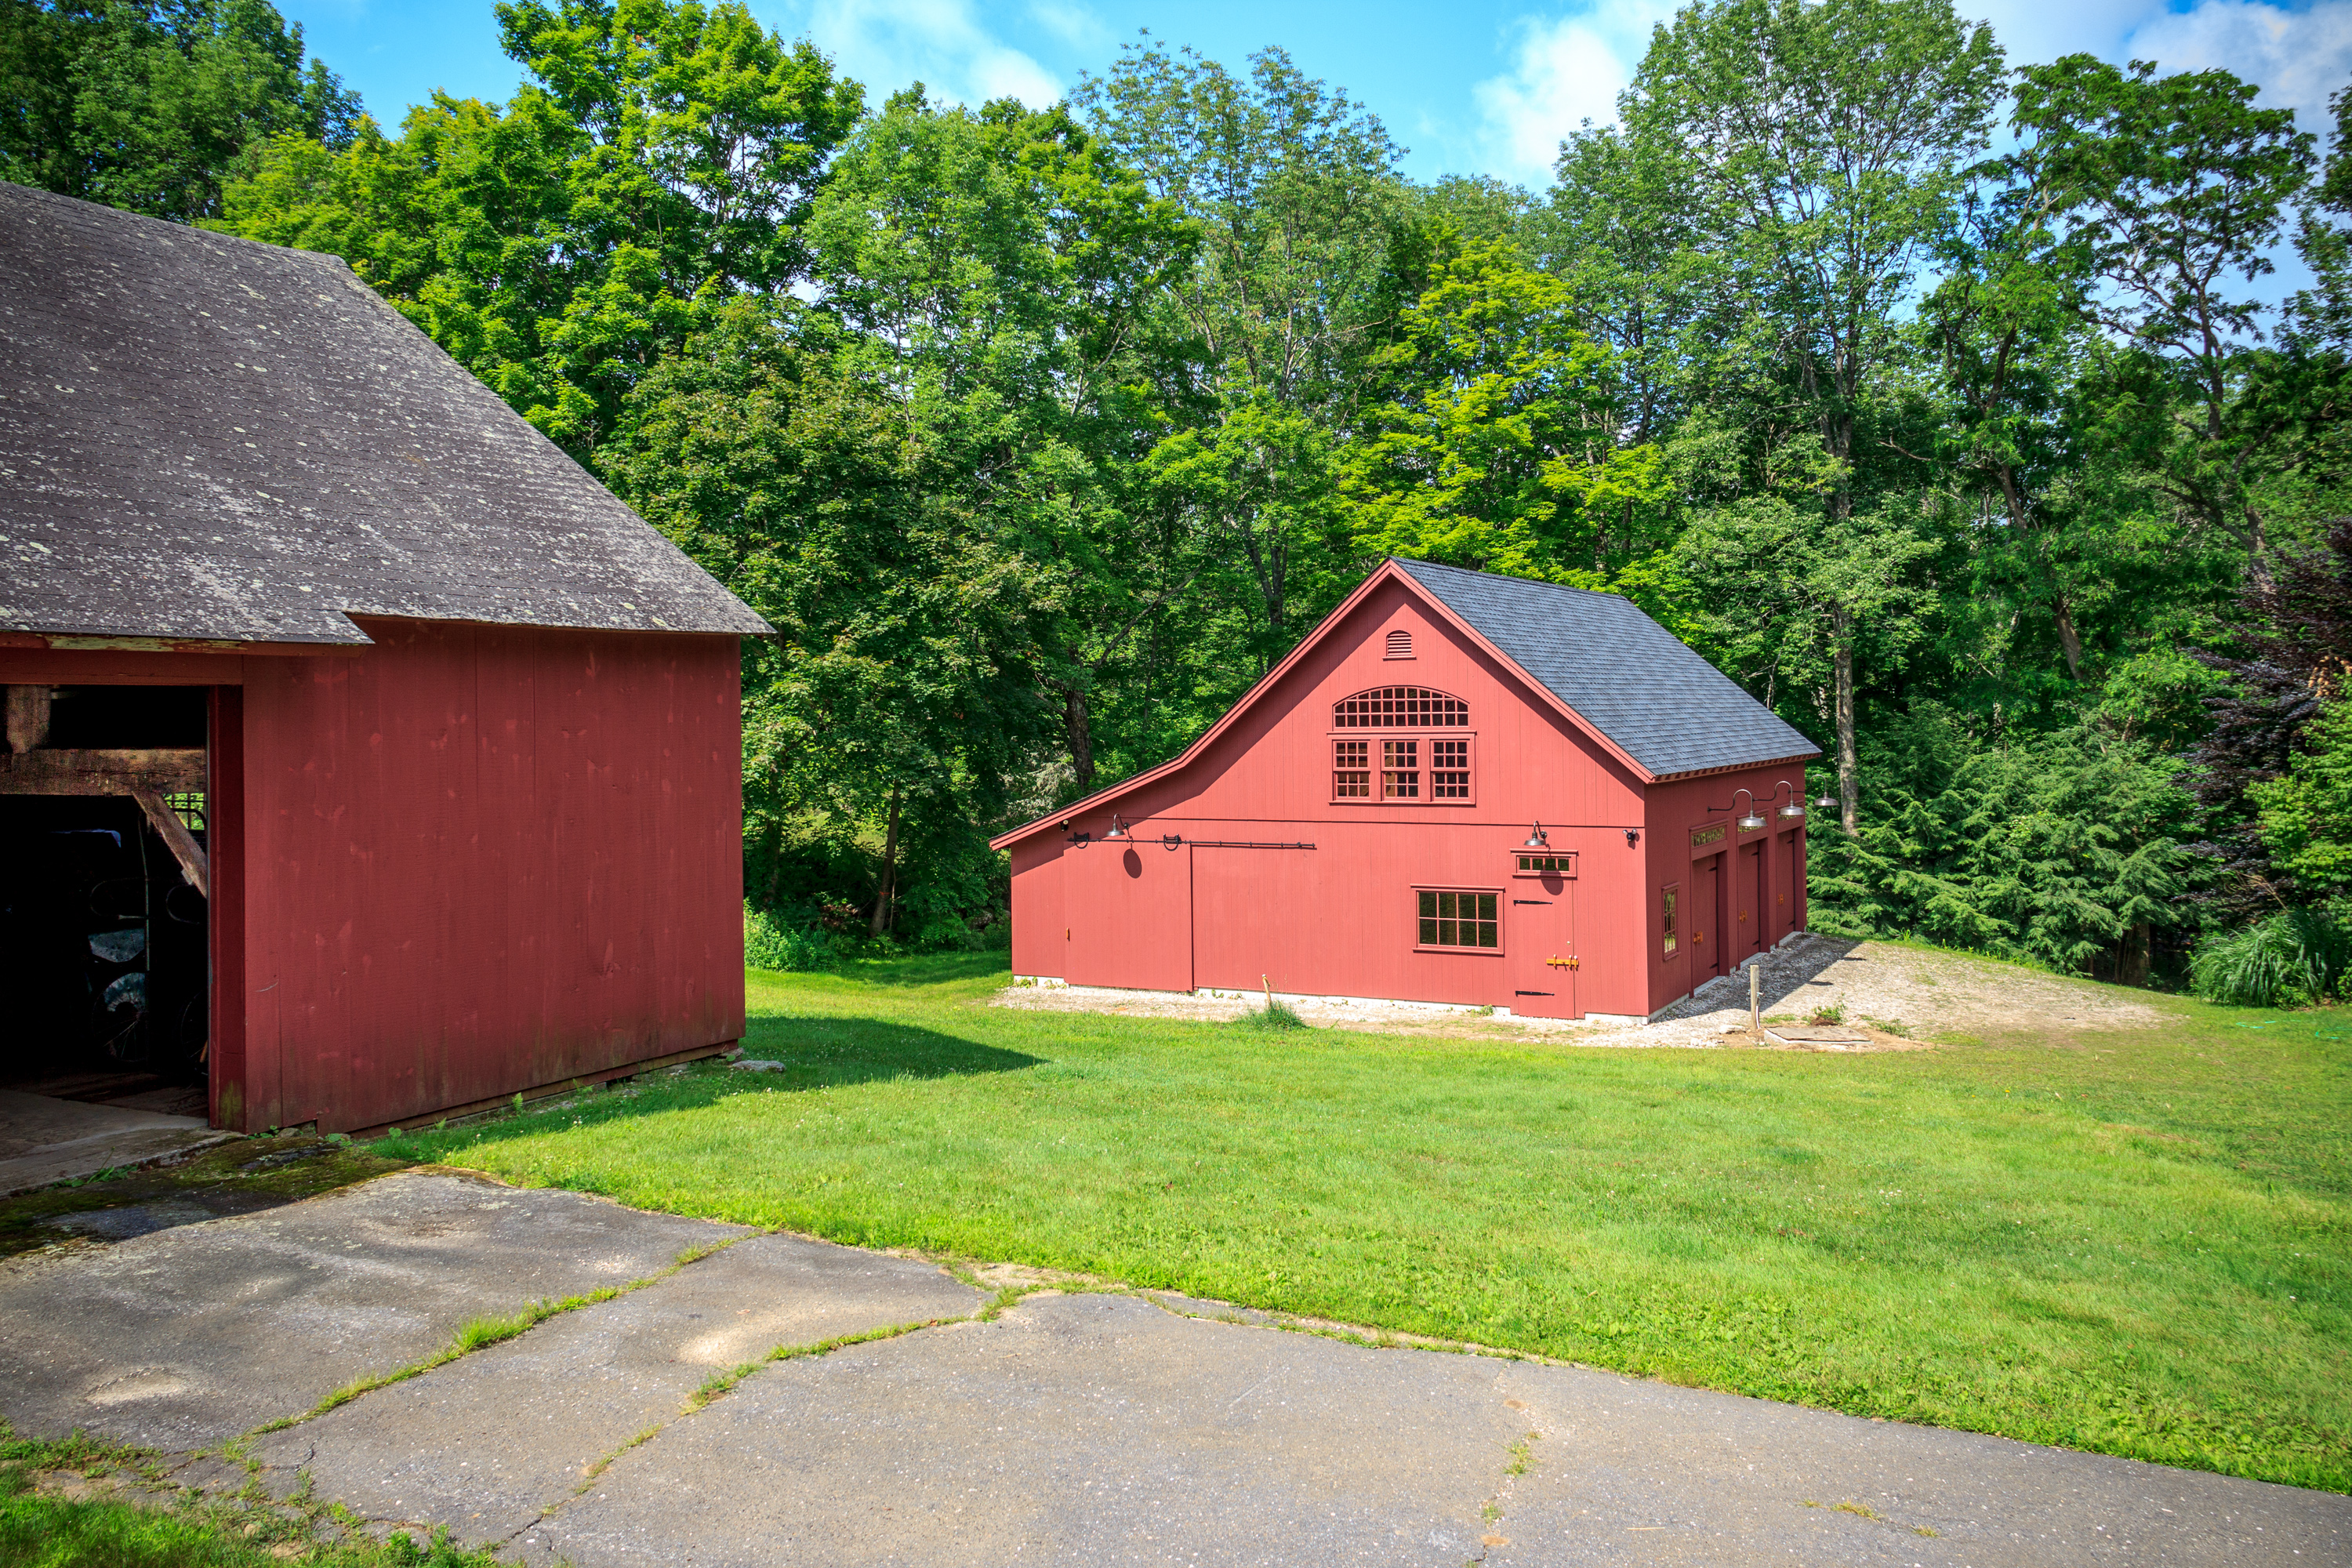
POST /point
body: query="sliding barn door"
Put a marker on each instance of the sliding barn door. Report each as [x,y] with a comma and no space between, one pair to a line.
[1127,909]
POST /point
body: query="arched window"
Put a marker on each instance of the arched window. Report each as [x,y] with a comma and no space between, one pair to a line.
[1400,708]
[1399,644]
[1426,759]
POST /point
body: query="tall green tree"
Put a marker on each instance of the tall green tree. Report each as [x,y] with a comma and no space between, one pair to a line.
[2173,191]
[1823,146]
[662,159]
[1296,192]
[152,105]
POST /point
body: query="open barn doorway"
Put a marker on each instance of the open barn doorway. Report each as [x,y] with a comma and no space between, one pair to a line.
[104,957]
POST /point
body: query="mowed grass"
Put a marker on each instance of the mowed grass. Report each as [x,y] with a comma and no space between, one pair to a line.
[2130,1243]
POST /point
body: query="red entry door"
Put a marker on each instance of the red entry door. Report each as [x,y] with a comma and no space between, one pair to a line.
[1750,895]
[1787,899]
[1708,945]
[1539,946]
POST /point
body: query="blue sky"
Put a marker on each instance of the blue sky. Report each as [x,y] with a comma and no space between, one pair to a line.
[1473,86]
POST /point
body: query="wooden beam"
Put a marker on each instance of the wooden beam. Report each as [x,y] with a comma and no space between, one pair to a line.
[66,772]
[28,717]
[174,833]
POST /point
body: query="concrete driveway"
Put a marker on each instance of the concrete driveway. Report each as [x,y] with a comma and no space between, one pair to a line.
[912,1420]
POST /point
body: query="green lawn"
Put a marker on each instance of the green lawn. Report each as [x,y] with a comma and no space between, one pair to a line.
[2132,1243]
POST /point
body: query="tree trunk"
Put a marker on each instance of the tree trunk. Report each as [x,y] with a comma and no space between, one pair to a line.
[883,900]
[1849,770]
[2069,641]
[1079,731]
[2132,955]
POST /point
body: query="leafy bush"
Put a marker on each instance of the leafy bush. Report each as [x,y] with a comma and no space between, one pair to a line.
[2294,957]
[768,945]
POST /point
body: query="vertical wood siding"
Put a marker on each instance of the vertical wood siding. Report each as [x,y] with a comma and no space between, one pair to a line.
[480,859]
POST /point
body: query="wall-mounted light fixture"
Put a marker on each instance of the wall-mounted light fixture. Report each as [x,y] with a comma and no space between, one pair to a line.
[1118,829]
[1632,837]
[1753,820]
[1536,838]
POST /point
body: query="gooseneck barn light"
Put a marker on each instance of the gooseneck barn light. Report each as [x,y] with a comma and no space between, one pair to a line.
[1118,829]
[1537,838]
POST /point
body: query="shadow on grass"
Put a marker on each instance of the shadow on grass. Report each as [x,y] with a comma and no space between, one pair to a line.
[816,1053]
[928,969]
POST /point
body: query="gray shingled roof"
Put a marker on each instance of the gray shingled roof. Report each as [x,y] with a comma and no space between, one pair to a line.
[1633,680]
[204,437]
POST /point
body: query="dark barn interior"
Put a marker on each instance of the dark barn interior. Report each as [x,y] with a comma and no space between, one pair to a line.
[103,955]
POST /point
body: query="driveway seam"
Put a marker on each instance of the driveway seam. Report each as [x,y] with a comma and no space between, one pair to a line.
[480,1335]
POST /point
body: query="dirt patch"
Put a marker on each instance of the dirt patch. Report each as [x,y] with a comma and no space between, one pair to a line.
[1902,998]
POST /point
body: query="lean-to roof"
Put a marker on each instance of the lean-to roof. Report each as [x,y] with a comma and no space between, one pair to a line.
[205,438]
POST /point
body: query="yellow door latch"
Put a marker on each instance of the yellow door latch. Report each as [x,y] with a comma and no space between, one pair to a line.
[1570,962]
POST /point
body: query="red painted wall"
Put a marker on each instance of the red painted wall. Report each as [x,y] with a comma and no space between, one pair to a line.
[465,862]
[480,859]
[1337,919]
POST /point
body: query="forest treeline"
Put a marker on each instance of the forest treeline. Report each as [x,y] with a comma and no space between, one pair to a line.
[1938,399]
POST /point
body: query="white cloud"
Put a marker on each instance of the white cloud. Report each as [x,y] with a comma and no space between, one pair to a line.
[944,44]
[2297,58]
[1565,70]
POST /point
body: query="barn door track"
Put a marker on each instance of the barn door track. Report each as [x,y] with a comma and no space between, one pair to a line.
[565,1380]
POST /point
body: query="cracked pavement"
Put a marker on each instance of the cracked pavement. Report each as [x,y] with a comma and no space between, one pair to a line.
[782,1401]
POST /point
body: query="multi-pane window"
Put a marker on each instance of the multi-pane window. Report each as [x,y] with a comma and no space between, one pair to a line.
[1401,770]
[1449,770]
[1458,919]
[1400,708]
[1547,865]
[1669,940]
[1352,770]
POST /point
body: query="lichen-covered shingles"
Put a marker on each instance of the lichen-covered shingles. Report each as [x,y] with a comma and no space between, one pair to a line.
[204,437]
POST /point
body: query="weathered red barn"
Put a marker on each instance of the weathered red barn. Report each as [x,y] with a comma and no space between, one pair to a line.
[1461,788]
[367,760]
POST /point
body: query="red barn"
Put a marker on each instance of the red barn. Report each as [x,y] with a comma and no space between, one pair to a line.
[1461,788]
[366,759]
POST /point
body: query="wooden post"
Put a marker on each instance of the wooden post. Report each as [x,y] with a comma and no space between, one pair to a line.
[1755,996]
[28,718]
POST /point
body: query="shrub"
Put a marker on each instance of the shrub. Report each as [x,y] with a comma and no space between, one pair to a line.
[767,945]
[1273,1015]
[2294,957]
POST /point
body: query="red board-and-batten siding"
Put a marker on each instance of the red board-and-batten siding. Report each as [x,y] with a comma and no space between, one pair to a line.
[467,861]
[1337,919]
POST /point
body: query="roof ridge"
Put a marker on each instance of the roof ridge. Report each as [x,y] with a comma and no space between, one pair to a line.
[1410,563]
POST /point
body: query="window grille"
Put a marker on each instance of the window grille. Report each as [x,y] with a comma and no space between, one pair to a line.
[1400,708]
[1401,770]
[1400,644]
[188,806]
[1458,919]
[1547,865]
[1352,770]
[1669,940]
[1449,770]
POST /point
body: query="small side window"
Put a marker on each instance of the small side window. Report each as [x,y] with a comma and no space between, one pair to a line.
[1669,937]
